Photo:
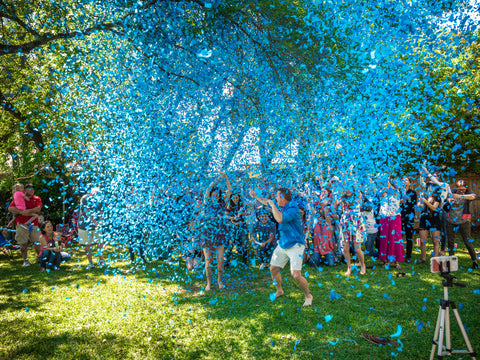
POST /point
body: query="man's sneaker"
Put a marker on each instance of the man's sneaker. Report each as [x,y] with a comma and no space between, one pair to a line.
[101,263]
[26,263]
[90,266]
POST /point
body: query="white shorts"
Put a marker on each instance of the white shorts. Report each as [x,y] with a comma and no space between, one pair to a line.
[281,256]
[87,237]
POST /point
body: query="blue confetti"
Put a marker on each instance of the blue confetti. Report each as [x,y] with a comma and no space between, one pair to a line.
[295,346]
[398,333]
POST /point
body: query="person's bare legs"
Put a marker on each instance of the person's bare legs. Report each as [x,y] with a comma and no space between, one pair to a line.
[220,258]
[277,280]
[208,260]
[24,251]
[346,255]
[302,282]
[88,251]
[37,249]
[436,242]
[31,220]
[423,244]
[99,249]
[361,258]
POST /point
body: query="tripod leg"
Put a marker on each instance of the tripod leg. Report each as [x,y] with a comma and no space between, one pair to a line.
[464,333]
[447,329]
[442,333]
[435,337]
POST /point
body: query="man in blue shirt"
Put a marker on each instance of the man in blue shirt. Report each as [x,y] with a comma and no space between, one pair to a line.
[291,244]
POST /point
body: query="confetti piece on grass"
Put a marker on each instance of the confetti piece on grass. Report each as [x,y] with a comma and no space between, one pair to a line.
[295,346]
[398,333]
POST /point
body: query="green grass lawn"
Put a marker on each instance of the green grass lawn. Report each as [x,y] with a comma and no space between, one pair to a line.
[162,313]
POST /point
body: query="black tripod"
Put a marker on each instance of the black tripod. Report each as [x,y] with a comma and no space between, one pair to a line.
[443,323]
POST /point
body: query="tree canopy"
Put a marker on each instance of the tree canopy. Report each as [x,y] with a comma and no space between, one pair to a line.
[166,91]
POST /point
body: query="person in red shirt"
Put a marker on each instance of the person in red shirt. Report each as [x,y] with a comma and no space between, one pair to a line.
[25,236]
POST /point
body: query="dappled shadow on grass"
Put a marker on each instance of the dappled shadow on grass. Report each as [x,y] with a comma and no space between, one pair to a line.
[81,344]
[240,321]
[378,302]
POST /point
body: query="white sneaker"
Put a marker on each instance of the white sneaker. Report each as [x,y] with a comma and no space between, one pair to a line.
[102,263]
[90,266]
[26,263]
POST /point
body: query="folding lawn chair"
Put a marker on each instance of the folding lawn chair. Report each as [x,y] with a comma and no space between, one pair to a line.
[6,247]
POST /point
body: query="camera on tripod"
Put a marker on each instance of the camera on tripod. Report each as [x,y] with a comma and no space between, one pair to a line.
[443,264]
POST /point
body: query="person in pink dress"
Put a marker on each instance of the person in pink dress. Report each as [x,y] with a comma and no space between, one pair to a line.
[391,240]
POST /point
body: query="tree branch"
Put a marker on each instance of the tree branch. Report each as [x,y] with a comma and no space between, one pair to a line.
[14,18]
[35,135]
[47,38]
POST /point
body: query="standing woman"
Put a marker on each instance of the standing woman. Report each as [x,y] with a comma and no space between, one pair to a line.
[215,227]
[409,201]
[353,228]
[430,222]
[391,241]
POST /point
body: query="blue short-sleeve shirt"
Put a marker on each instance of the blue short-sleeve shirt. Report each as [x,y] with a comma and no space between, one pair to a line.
[290,229]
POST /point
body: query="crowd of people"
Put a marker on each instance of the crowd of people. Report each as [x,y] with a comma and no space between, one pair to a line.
[330,221]
[338,219]
[30,228]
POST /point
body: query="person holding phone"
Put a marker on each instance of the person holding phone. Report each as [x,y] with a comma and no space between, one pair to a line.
[459,219]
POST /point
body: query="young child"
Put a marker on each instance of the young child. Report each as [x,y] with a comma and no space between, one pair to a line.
[264,237]
[20,203]
[55,258]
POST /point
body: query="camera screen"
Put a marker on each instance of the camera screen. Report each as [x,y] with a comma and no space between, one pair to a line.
[444,264]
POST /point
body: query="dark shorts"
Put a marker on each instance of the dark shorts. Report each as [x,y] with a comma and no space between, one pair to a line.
[428,222]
